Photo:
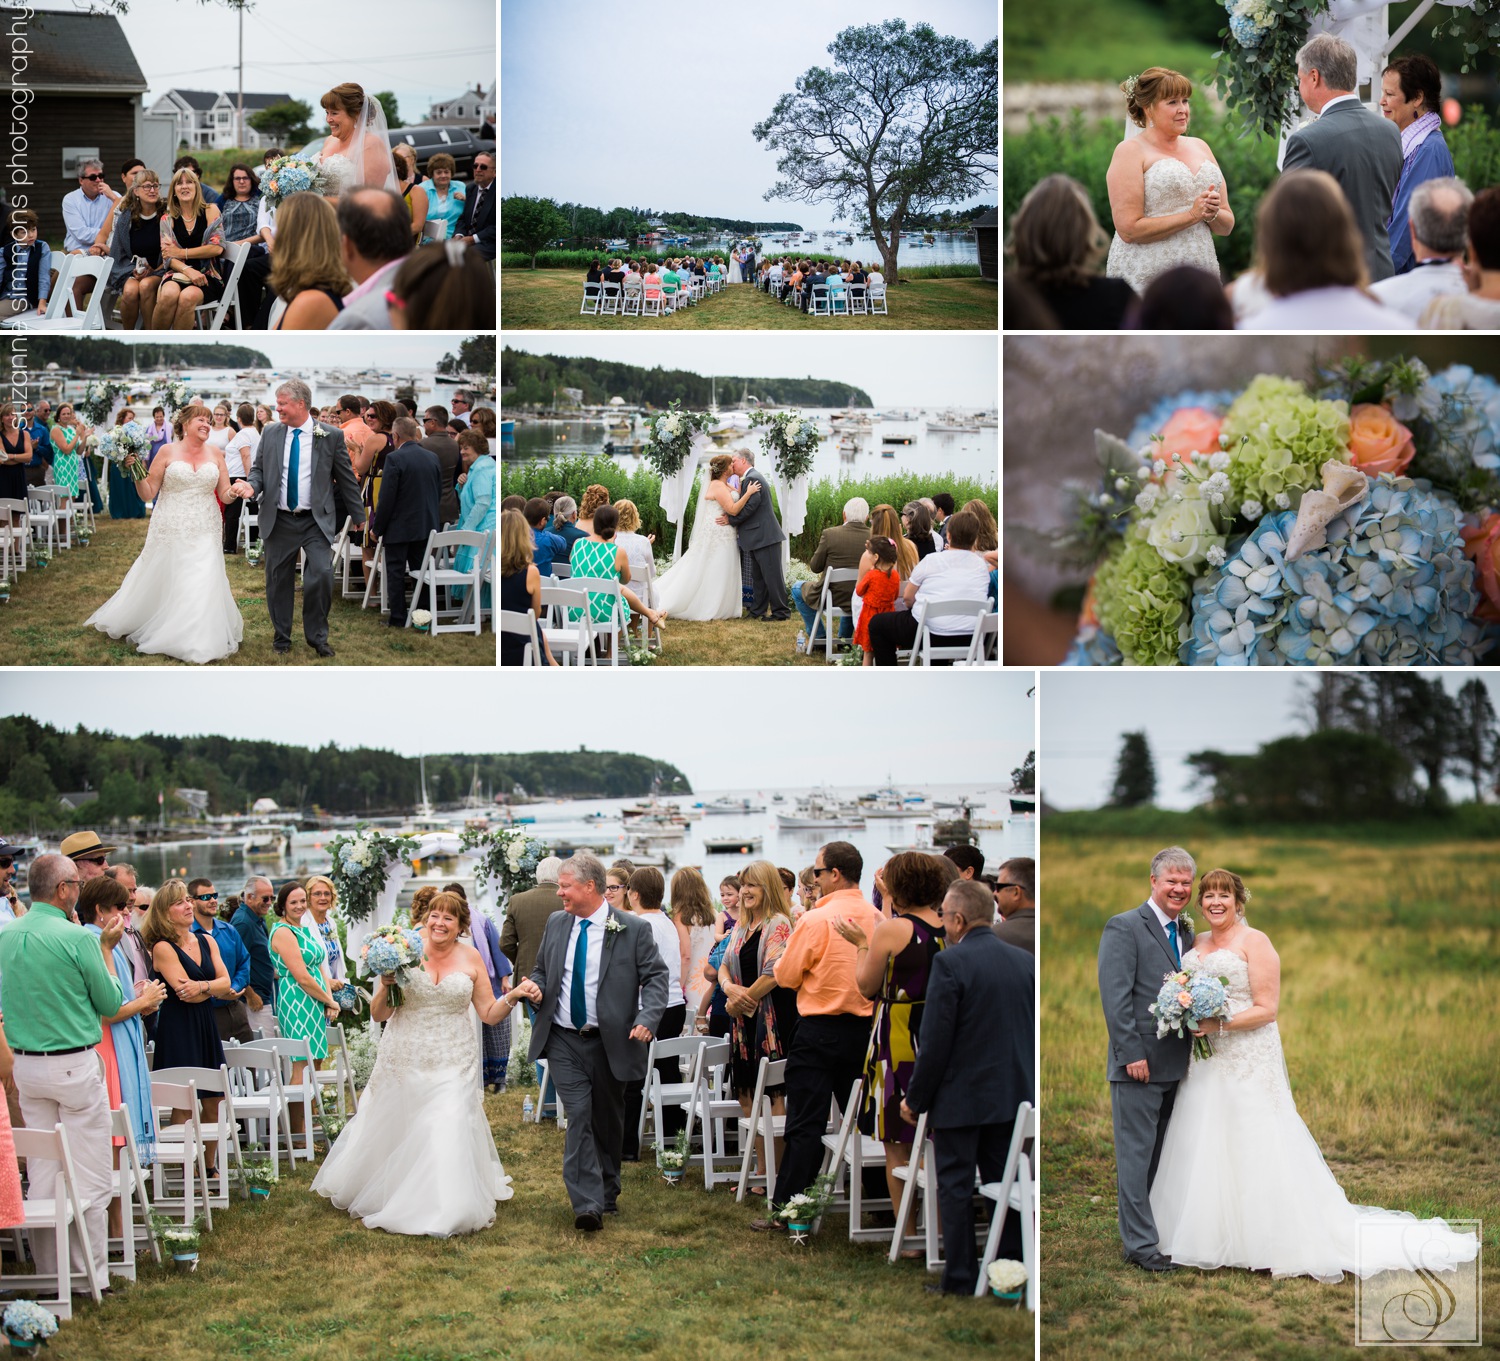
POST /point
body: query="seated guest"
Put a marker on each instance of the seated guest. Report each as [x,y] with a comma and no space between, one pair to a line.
[974,1068]
[593,278]
[988,541]
[307,270]
[565,521]
[594,496]
[958,573]
[520,587]
[25,268]
[476,226]
[886,523]
[917,523]
[638,550]
[84,212]
[598,556]
[811,281]
[1479,308]
[1015,897]
[375,237]
[942,508]
[1184,298]
[442,286]
[1438,225]
[651,280]
[407,512]
[240,206]
[1058,245]
[408,185]
[192,240]
[191,163]
[876,281]
[842,547]
[546,546]
[1411,91]
[1312,261]
[445,199]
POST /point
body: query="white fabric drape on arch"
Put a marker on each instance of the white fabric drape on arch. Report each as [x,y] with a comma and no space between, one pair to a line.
[676,489]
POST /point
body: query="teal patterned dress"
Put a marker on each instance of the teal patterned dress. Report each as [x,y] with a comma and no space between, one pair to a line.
[590,559]
[298,1016]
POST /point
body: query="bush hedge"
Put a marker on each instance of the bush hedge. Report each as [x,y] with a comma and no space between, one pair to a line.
[582,259]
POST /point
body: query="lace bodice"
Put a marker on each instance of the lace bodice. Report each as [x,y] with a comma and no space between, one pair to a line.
[433,1028]
[187,502]
[1170,187]
[707,525]
[341,171]
[1252,1056]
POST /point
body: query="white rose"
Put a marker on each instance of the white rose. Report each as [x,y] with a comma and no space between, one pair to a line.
[1184,532]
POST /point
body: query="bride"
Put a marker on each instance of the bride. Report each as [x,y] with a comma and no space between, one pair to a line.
[418,1157]
[1241,1181]
[1166,194]
[175,598]
[357,151]
[704,583]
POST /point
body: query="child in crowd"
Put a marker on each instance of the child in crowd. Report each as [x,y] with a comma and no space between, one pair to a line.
[878,588]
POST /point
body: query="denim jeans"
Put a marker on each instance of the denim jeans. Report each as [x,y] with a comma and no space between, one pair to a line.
[809,613]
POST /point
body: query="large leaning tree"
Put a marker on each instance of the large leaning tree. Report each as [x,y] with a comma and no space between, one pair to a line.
[905,121]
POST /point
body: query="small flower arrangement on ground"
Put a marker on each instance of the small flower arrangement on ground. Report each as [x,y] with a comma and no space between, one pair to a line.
[362,1046]
[288,175]
[641,656]
[27,1323]
[181,1240]
[791,439]
[260,1177]
[674,1160]
[804,1209]
[1190,998]
[421,620]
[391,950]
[359,867]
[1007,1279]
[671,438]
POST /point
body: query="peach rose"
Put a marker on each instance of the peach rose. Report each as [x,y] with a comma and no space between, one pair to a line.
[1482,543]
[1191,430]
[1186,998]
[1378,442]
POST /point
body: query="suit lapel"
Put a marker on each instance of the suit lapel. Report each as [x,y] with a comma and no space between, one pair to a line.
[608,946]
[1159,933]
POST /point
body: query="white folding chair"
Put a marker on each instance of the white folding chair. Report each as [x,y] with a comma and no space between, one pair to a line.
[83,508]
[278,308]
[62,314]
[260,1100]
[712,1104]
[547,1107]
[348,549]
[1016,1190]
[135,1204]
[847,1154]
[249,523]
[375,576]
[658,1094]
[859,303]
[223,1133]
[237,252]
[632,298]
[920,1191]
[611,300]
[57,1214]
[437,573]
[650,633]
[304,1093]
[524,626]
[8,545]
[876,299]
[51,520]
[651,304]
[59,301]
[591,300]
[760,1124]
[179,1146]
[568,639]
[341,1076]
[614,628]
[984,646]
[828,612]
[929,651]
[820,305]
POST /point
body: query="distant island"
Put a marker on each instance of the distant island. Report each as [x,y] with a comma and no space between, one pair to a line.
[112,356]
[533,379]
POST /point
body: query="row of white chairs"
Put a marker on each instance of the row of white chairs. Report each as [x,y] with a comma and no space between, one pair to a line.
[630,299]
[582,640]
[979,619]
[850,301]
[435,572]
[44,519]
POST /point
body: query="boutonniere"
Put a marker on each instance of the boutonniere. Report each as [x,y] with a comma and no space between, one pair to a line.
[321,430]
[1186,923]
[613,926]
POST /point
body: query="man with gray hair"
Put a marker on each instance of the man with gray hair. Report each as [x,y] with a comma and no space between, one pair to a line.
[1137,950]
[526,917]
[306,487]
[839,548]
[1438,221]
[84,212]
[1358,147]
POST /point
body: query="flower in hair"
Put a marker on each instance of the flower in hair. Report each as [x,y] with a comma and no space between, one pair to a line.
[1129,86]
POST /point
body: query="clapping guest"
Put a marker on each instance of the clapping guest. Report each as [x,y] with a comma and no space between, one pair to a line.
[1479,308]
[191,243]
[304,996]
[445,199]
[307,269]
[520,586]
[644,891]
[67,442]
[321,897]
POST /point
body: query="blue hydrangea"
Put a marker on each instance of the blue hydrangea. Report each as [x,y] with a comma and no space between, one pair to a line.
[1093,647]
[1245,31]
[1479,433]
[1151,421]
[1209,997]
[1392,587]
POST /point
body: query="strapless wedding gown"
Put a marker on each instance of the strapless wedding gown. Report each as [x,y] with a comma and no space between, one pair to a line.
[1170,188]
[176,599]
[341,171]
[418,1157]
[704,583]
[1242,1183]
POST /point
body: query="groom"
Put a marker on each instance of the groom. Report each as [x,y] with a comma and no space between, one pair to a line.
[1137,950]
[600,988]
[760,535]
[306,484]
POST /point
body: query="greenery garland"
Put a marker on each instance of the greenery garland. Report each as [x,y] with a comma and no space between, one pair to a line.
[791,439]
[671,439]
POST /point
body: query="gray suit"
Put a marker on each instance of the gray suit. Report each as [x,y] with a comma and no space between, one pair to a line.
[1134,956]
[590,1071]
[761,535]
[1362,151]
[335,493]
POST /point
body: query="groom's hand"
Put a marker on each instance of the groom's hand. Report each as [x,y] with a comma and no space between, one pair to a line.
[241,489]
[528,991]
[1140,1070]
[642,1034]
[721,519]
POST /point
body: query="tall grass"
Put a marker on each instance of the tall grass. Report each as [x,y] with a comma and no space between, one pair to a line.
[1385,1018]
[825,499]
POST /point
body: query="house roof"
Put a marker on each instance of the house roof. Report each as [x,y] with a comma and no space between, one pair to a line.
[989,219]
[253,100]
[202,100]
[81,52]
[77,800]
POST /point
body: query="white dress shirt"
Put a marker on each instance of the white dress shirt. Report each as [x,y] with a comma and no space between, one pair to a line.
[304,466]
[1165,922]
[1411,292]
[564,1014]
[1326,310]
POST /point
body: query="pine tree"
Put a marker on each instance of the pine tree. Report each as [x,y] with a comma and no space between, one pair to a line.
[1476,747]
[1135,773]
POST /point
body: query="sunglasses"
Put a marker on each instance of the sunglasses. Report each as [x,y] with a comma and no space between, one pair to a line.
[205,897]
[90,860]
[91,177]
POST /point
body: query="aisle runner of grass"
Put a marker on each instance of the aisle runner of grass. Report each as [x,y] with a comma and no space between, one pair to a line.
[44,621]
[677,1276]
[1388,1016]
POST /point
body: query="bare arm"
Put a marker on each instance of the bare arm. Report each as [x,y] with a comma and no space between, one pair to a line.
[1265,985]
[164,960]
[1127,201]
[150,486]
[222,489]
[890,938]
[492,1010]
[285,945]
[685,945]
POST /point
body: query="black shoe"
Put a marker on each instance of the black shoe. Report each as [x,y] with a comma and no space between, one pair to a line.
[282,648]
[322,649]
[590,1221]
[1155,1262]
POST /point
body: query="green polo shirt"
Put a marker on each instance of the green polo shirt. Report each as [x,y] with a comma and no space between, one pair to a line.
[53,984]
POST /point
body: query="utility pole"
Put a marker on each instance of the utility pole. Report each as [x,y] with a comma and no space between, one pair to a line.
[239,125]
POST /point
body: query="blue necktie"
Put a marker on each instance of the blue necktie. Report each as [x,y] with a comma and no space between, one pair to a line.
[292,470]
[578,998]
[1172,940]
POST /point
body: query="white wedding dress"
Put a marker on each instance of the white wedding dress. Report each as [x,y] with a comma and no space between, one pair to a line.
[1170,188]
[704,583]
[418,1157]
[175,598]
[1242,1183]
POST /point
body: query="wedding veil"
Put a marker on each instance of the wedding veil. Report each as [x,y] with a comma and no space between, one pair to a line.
[373,163]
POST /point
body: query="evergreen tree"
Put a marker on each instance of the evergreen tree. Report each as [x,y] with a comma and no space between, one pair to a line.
[1476,747]
[1135,773]
[1023,777]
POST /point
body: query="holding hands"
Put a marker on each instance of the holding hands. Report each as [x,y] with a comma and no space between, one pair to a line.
[241,489]
[527,991]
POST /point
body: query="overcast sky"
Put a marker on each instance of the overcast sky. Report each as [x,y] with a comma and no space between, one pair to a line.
[896,369]
[1085,714]
[422,54]
[752,729]
[610,107]
[360,350]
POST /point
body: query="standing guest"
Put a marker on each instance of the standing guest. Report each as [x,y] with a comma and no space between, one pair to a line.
[644,891]
[90,854]
[833,1026]
[56,984]
[84,212]
[463,404]
[969,859]
[321,896]
[495,1037]
[192,239]
[1479,308]
[159,432]
[350,418]
[229,1011]
[25,268]
[124,495]
[375,238]
[272,154]
[1411,90]
[435,437]
[445,199]
[67,444]
[250,921]
[12,1207]
[807,892]
[693,911]
[304,997]
[380,416]
[407,512]
[893,967]
[15,454]
[526,917]
[408,185]
[974,1068]
[308,270]
[11,906]
[1015,896]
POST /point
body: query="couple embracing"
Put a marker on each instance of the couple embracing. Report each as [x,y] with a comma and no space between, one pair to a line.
[1214,1165]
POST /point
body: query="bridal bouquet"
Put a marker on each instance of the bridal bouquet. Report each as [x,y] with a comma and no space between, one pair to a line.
[791,439]
[671,438]
[125,442]
[359,867]
[1352,521]
[391,950]
[1190,999]
[288,175]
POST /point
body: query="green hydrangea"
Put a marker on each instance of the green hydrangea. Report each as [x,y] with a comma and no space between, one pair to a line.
[1142,600]
[1280,438]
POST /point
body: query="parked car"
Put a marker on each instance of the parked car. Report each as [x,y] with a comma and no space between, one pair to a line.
[459,143]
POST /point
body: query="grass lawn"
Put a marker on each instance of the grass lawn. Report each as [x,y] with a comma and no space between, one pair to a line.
[677,1275]
[733,642]
[1070,40]
[1388,1034]
[548,300]
[44,620]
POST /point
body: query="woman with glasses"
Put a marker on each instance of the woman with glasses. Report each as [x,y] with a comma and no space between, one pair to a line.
[135,247]
[321,897]
[615,881]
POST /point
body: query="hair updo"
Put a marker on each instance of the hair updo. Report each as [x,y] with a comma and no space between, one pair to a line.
[1225,881]
[349,97]
[1153,84]
[189,413]
[718,465]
